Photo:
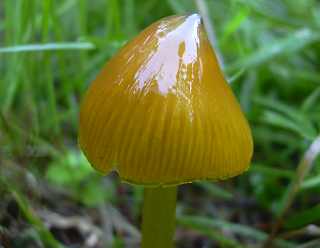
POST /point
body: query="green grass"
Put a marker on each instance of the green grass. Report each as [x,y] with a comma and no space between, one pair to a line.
[51,50]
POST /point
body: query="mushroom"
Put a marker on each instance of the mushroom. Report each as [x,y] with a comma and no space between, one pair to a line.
[160,114]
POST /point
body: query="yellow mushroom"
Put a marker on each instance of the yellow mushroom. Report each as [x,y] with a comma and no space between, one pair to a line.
[161,112]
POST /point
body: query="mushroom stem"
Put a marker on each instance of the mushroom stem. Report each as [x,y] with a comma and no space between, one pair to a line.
[159,210]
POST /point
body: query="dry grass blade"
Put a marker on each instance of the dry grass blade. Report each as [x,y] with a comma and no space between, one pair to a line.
[303,168]
[203,10]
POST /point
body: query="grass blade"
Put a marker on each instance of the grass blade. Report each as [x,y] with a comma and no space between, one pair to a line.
[48,47]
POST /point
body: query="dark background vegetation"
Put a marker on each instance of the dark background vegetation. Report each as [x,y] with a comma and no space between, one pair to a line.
[50,50]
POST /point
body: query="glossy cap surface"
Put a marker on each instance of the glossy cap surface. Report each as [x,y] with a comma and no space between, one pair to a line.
[161,112]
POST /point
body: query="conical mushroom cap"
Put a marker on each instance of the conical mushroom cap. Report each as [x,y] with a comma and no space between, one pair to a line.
[161,112]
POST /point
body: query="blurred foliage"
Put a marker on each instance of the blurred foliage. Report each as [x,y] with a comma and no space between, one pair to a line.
[73,172]
[51,50]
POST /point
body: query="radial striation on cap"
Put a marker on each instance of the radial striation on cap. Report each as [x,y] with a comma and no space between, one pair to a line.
[161,112]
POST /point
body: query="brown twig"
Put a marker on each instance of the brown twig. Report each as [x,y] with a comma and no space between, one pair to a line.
[310,230]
